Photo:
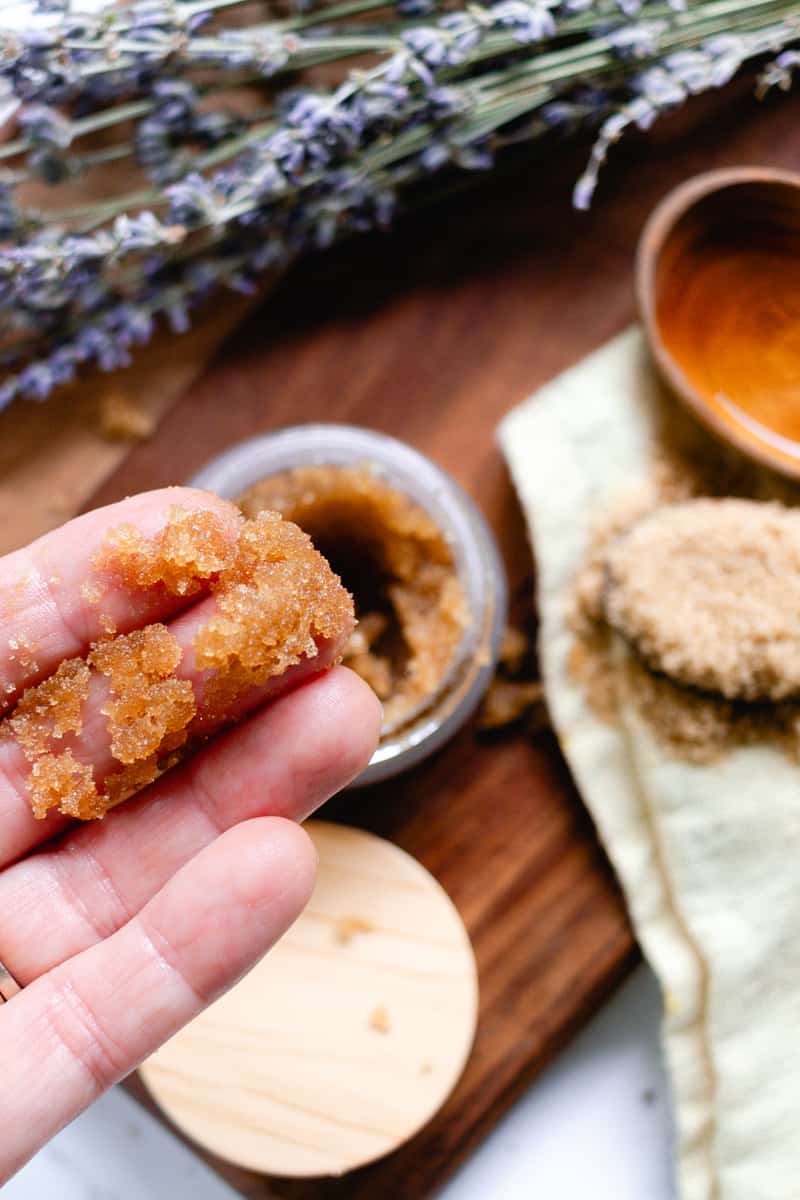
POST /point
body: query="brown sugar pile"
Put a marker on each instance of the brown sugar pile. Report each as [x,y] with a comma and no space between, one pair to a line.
[275,598]
[708,593]
[507,701]
[397,562]
[688,467]
[686,578]
[700,727]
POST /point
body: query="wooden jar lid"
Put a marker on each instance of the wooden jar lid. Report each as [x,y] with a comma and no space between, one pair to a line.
[347,1038]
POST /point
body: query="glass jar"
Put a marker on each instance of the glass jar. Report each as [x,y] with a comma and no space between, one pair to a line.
[475,554]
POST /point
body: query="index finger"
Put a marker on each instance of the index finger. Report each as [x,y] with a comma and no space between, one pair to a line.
[53,603]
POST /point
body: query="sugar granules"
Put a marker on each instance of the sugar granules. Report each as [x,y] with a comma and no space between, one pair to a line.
[275,597]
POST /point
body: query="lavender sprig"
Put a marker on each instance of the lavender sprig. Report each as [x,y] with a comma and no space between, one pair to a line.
[317,133]
[234,196]
[779,73]
[667,85]
[351,203]
[321,132]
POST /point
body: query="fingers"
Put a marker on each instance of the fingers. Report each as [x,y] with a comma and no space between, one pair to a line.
[85,1025]
[20,832]
[45,616]
[285,760]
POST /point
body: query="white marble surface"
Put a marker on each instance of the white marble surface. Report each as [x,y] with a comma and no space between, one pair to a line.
[595,1124]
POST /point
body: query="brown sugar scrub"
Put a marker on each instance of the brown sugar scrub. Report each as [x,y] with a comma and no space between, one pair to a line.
[149,709]
[397,562]
[275,600]
[428,580]
[190,549]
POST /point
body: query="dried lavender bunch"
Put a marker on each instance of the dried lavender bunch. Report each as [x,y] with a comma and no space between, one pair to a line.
[227,192]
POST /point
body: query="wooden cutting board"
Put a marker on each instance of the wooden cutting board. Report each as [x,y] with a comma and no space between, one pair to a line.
[432,335]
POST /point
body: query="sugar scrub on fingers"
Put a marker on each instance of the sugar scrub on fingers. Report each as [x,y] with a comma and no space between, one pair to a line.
[275,601]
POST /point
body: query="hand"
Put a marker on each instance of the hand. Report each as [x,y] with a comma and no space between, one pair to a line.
[120,931]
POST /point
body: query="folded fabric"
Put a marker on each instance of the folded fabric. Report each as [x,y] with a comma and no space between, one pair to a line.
[706,853]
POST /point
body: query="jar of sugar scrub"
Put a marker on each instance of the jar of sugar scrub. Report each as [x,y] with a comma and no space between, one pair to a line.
[414,550]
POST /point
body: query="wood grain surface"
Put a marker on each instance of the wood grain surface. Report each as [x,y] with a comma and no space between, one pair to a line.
[269,1077]
[54,455]
[432,334]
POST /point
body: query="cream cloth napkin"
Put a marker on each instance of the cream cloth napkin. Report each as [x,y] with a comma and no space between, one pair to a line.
[707,854]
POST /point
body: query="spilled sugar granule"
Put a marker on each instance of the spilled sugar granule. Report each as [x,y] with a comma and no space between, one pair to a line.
[346,928]
[379,1020]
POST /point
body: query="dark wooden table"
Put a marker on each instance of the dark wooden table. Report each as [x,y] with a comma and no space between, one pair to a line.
[432,334]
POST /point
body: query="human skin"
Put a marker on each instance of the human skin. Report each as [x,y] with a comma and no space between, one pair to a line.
[121,931]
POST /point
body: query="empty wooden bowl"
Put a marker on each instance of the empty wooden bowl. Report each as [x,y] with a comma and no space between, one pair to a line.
[718,286]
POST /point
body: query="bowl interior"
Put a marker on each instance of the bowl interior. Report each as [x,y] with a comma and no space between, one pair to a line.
[719,291]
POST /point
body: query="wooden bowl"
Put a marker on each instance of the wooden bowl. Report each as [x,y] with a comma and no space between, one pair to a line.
[718,288]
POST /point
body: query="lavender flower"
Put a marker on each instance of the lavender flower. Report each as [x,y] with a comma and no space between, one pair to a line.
[531,22]
[267,52]
[193,201]
[455,36]
[357,203]
[49,134]
[779,73]
[327,130]
[669,84]
[106,343]
[476,156]
[415,8]
[377,103]
[46,126]
[10,217]
[640,40]
[213,127]
[432,48]
[143,231]
[168,124]
[235,196]
[36,381]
